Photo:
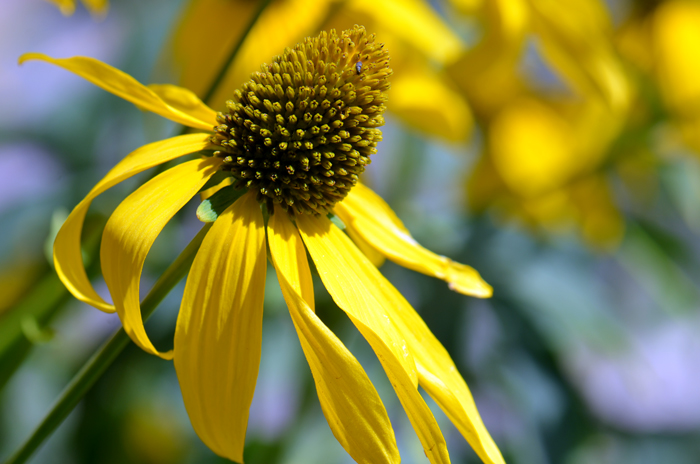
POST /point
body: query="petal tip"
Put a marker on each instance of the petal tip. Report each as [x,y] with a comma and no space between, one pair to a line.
[467,281]
[28,56]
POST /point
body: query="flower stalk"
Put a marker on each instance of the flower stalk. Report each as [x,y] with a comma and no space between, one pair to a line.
[103,358]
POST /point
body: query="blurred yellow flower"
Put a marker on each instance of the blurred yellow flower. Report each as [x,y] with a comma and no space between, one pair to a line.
[543,145]
[67,7]
[675,48]
[421,43]
[575,38]
[296,136]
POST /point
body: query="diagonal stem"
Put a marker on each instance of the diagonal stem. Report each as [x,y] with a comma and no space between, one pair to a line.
[103,358]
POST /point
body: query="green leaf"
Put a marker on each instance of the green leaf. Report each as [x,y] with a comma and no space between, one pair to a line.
[337,221]
[210,208]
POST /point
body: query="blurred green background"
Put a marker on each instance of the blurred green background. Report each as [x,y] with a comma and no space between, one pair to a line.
[552,148]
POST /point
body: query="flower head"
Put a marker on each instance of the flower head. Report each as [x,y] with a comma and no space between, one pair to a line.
[301,131]
[219,328]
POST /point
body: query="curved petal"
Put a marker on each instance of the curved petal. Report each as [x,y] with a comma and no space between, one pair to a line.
[290,261]
[67,256]
[439,376]
[347,280]
[350,402]
[121,85]
[359,289]
[186,101]
[364,212]
[132,229]
[219,330]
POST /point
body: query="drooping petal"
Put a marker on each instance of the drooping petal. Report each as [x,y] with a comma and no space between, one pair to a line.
[436,371]
[367,215]
[358,288]
[132,229]
[290,261]
[121,85]
[352,290]
[439,376]
[186,101]
[350,402]
[66,250]
[219,329]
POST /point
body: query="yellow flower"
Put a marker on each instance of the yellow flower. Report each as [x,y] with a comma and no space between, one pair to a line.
[296,136]
[543,167]
[664,43]
[96,7]
[574,37]
[544,146]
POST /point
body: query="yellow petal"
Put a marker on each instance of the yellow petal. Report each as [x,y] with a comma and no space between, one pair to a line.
[360,290]
[436,371]
[289,257]
[364,212]
[439,376]
[350,403]
[451,393]
[132,229]
[121,85]
[374,255]
[66,250]
[186,101]
[219,330]
[425,101]
[356,296]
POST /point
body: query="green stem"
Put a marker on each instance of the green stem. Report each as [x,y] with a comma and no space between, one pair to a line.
[104,357]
